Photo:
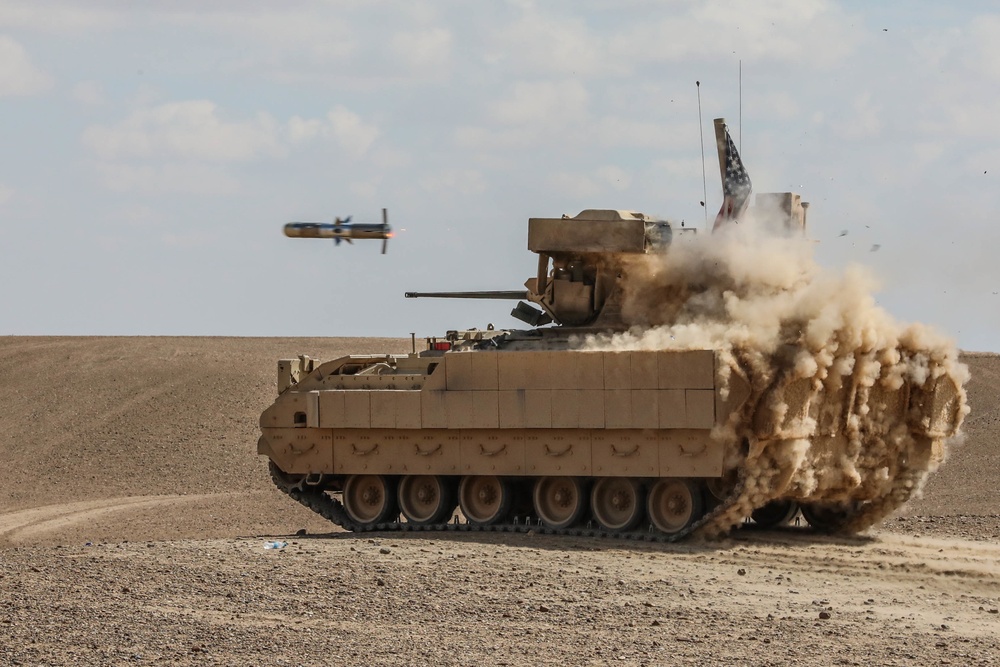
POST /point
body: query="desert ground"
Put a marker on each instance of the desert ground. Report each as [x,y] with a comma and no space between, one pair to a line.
[134,514]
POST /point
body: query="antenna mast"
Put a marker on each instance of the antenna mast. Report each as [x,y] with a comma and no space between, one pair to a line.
[701,133]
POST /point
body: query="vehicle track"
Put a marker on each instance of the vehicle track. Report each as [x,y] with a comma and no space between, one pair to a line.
[752,490]
[50,518]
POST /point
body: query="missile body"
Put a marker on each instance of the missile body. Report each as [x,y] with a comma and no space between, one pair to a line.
[344,230]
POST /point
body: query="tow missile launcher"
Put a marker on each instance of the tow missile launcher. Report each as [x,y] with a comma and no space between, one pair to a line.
[520,430]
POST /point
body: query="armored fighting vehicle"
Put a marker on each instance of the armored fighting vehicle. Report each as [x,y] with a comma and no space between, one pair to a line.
[545,429]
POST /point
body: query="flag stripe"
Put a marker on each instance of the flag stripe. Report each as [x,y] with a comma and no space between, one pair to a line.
[736,186]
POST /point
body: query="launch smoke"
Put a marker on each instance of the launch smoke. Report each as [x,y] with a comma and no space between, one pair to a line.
[848,405]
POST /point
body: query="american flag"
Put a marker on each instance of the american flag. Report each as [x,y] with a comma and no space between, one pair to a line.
[735,187]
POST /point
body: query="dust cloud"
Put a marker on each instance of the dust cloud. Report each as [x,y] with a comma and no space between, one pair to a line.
[846,407]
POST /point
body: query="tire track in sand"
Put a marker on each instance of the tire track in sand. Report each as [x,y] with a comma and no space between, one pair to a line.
[49,518]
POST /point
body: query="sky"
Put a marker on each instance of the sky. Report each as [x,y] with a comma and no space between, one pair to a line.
[153,151]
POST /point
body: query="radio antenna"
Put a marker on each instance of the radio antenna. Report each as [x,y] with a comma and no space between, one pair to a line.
[741,106]
[704,181]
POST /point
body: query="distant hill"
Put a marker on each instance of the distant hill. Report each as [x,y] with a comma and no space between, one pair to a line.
[88,418]
[969,481]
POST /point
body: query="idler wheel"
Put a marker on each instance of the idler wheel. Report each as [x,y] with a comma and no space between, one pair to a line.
[829,518]
[484,499]
[674,504]
[559,501]
[775,513]
[616,503]
[370,499]
[425,499]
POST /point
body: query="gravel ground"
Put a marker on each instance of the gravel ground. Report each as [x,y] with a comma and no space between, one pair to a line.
[134,515]
[775,598]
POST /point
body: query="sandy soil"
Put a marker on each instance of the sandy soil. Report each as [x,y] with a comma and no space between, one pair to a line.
[134,514]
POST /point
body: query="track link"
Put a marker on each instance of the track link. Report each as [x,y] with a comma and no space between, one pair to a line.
[749,493]
[718,520]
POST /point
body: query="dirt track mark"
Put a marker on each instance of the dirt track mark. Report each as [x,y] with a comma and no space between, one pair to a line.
[885,555]
[39,520]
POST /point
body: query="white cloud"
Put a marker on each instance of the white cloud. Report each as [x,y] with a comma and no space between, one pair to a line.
[936,48]
[192,239]
[322,36]
[551,45]
[355,44]
[816,32]
[424,50]
[111,244]
[621,131]
[58,17]
[341,125]
[984,42]
[89,93]
[453,181]
[864,122]
[172,177]
[614,176]
[137,215]
[959,68]
[493,139]
[927,153]
[548,41]
[365,189]
[304,129]
[541,103]
[181,146]
[980,162]
[18,75]
[679,168]
[390,158]
[190,130]
[573,185]
[350,131]
[960,113]
[780,105]
[529,113]
[597,182]
[146,95]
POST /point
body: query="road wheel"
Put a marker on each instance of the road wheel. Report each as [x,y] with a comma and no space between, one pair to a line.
[425,499]
[616,503]
[484,499]
[559,501]
[674,504]
[370,499]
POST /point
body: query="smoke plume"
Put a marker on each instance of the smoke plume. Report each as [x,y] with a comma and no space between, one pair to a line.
[847,404]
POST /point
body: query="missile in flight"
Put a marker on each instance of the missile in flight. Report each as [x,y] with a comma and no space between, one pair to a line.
[342,230]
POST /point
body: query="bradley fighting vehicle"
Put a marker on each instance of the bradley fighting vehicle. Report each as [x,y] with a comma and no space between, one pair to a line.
[527,429]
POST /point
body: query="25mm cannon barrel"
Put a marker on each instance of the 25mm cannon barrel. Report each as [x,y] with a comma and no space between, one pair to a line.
[488,294]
